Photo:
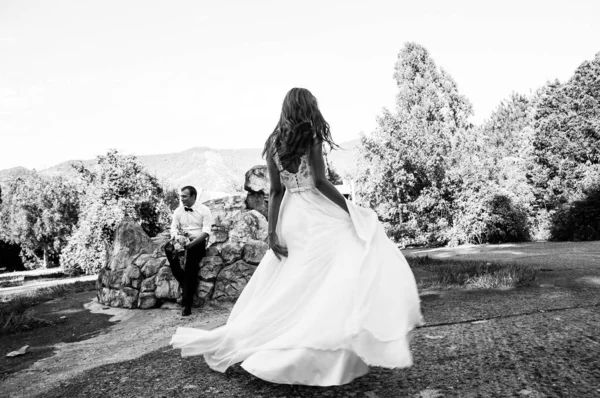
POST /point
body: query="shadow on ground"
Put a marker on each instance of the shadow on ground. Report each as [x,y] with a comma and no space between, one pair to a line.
[70,323]
[544,354]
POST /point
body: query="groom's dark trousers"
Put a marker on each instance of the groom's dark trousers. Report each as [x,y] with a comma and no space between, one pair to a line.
[187,277]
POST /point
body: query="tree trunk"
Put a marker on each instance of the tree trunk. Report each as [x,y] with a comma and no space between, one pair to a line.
[46,259]
[50,259]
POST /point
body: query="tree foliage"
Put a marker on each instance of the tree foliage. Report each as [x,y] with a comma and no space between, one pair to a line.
[567,135]
[332,175]
[39,214]
[118,187]
[579,219]
[404,162]
[492,167]
[434,178]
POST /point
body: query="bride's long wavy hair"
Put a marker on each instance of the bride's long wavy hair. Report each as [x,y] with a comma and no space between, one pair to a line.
[300,125]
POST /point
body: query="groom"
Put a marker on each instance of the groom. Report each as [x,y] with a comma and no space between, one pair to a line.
[196,219]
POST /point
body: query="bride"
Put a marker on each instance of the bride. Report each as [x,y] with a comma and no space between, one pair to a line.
[333,295]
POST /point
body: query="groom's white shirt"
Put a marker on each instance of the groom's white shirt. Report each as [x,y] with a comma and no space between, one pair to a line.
[195,222]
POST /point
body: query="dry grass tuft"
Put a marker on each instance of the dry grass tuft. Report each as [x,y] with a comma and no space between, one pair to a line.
[443,273]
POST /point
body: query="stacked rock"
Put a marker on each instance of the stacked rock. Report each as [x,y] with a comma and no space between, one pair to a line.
[137,274]
[257,184]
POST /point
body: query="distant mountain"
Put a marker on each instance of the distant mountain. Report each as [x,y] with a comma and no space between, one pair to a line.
[214,172]
[7,175]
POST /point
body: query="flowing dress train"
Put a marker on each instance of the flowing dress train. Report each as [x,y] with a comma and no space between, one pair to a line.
[343,300]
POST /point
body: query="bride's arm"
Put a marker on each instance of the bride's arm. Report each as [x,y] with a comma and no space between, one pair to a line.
[321,181]
[276,192]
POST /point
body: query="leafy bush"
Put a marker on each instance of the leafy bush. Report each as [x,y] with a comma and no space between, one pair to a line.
[404,234]
[88,246]
[118,187]
[507,222]
[578,220]
[489,217]
[171,198]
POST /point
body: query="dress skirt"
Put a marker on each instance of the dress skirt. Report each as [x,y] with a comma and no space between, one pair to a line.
[343,300]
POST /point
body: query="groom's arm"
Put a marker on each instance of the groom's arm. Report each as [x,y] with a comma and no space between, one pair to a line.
[207,222]
[200,239]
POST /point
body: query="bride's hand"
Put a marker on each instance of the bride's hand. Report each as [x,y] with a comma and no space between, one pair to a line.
[279,250]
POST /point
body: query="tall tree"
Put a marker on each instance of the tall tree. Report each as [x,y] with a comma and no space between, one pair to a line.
[491,168]
[404,162]
[504,149]
[567,135]
[39,213]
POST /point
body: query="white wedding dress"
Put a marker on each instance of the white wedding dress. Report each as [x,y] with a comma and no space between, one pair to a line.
[343,300]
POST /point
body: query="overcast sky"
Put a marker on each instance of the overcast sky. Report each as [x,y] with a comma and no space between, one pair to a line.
[80,77]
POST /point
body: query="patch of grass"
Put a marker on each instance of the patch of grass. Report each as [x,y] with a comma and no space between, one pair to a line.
[39,273]
[442,273]
[14,322]
[16,314]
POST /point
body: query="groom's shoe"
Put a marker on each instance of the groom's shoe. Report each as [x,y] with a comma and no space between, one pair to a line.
[186,311]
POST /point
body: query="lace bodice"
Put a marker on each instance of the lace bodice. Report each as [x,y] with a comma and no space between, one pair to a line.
[302,180]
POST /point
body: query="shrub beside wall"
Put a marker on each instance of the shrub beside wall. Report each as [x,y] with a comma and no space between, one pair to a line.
[578,220]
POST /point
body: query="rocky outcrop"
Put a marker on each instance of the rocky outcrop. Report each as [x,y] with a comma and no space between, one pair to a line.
[234,233]
[257,184]
[137,274]
[135,271]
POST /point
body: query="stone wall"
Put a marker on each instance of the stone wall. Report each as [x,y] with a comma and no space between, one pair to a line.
[257,184]
[137,274]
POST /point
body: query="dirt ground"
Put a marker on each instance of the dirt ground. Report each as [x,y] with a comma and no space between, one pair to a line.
[531,342]
[71,322]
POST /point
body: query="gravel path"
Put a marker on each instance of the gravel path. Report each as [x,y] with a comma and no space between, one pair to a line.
[531,342]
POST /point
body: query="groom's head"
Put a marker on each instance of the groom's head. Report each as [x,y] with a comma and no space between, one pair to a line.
[188,196]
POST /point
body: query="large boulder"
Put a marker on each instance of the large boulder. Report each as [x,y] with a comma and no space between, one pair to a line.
[130,274]
[137,273]
[258,186]
[257,180]
[130,241]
